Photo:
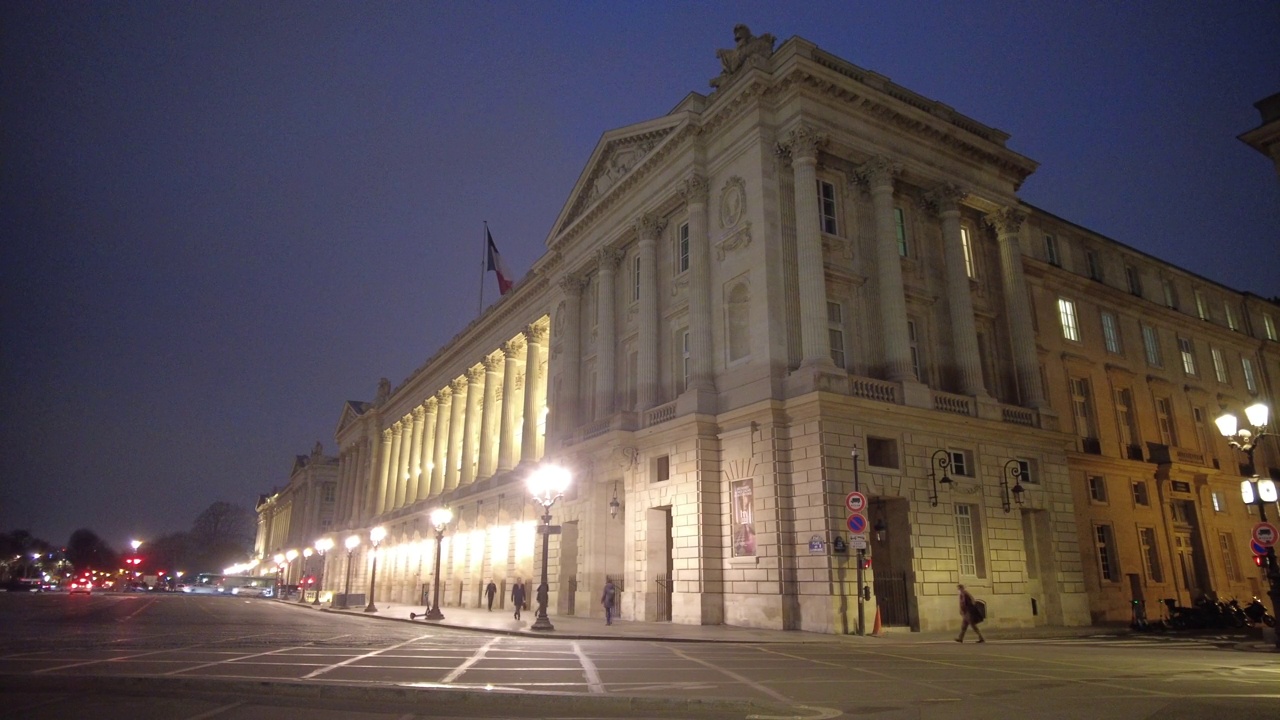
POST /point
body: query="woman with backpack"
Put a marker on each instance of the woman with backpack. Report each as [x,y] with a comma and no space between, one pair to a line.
[970,615]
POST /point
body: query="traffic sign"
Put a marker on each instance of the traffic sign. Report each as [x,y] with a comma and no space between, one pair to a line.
[855,501]
[857,523]
[858,542]
[1265,534]
[1257,549]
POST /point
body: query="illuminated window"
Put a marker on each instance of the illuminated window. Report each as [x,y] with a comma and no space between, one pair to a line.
[967,243]
[827,201]
[1067,316]
[1188,355]
[1111,333]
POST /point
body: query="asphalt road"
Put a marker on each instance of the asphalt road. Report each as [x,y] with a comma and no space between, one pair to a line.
[196,657]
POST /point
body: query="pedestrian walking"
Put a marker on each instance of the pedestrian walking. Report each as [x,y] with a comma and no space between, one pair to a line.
[607,599]
[489,592]
[970,615]
[517,596]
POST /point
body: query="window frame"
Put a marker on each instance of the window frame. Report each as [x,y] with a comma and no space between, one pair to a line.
[1219,365]
[900,231]
[966,244]
[1250,379]
[836,334]
[1187,349]
[1133,280]
[1111,339]
[1105,544]
[1094,265]
[1151,345]
[682,248]
[1097,486]
[1068,319]
[1051,254]
[1202,305]
[1149,549]
[829,223]
[1139,487]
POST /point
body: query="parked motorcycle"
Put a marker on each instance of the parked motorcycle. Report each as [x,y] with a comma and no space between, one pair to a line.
[1255,612]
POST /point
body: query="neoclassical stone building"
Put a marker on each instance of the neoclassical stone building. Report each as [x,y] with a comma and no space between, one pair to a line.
[808,278]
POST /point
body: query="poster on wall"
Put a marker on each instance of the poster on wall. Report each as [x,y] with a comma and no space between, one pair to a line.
[740,519]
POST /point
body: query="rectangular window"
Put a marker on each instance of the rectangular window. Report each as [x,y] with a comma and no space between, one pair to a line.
[329,492]
[1067,316]
[1170,295]
[827,201]
[913,341]
[1133,279]
[835,333]
[882,452]
[1219,365]
[1250,382]
[900,227]
[1216,497]
[1231,315]
[1164,419]
[967,243]
[1081,407]
[635,278]
[682,248]
[961,462]
[1027,472]
[1151,343]
[1098,489]
[1188,355]
[1140,497]
[1095,265]
[1228,546]
[966,540]
[1105,542]
[683,365]
[1051,251]
[1111,333]
[1150,554]
[662,468]
[1125,418]
[1268,326]
[1202,306]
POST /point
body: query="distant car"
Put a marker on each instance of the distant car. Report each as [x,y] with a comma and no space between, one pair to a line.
[80,586]
[252,591]
[20,585]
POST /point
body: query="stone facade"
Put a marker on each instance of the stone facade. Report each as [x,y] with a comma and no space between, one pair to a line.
[807,280]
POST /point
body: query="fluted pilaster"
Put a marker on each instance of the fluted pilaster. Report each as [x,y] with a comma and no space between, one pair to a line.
[1007,223]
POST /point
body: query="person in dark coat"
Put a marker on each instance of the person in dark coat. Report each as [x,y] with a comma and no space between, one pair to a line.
[969,616]
[489,592]
[607,599]
[517,597]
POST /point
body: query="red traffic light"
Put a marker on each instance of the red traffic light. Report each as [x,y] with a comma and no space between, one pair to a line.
[1257,560]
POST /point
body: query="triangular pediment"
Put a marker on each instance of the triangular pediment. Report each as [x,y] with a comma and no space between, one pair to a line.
[618,155]
[351,411]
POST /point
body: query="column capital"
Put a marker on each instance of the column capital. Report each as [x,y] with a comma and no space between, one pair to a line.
[649,226]
[396,428]
[945,197]
[535,333]
[1006,220]
[458,385]
[419,413]
[386,435]
[429,405]
[879,172]
[475,374]
[444,395]
[491,362]
[608,258]
[694,189]
[572,284]
[511,348]
[802,143]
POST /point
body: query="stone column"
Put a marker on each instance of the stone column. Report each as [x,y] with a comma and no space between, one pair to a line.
[401,436]
[1007,222]
[694,191]
[534,338]
[378,487]
[566,413]
[964,333]
[339,507]
[511,351]
[471,426]
[488,414]
[649,228]
[415,456]
[606,338]
[438,454]
[428,449]
[879,174]
[453,455]
[803,144]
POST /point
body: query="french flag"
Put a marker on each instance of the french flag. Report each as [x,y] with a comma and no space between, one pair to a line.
[493,261]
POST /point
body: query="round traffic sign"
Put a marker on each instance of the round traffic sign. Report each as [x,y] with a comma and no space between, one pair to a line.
[1265,534]
[857,523]
[1257,549]
[855,501]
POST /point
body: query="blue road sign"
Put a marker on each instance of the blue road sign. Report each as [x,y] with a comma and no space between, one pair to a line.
[857,523]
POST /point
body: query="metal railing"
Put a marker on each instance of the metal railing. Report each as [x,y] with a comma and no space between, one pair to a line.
[891,598]
[663,610]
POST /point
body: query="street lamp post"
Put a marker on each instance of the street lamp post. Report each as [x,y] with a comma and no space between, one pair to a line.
[302,576]
[375,537]
[440,518]
[547,484]
[1255,491]
[323,545]
[351,543]
[279,559]
[289,557]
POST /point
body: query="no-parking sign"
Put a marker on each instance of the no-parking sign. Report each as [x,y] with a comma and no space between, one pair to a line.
[857,523]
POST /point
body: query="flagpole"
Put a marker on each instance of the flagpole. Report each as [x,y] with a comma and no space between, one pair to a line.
[484,265]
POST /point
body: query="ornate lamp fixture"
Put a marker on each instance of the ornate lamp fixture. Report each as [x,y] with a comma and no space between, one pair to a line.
[1012,469]
[940,460]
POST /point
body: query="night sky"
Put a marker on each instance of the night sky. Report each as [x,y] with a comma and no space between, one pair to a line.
[221,220]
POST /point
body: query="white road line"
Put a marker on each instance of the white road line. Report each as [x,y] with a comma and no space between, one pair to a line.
[135,612]
[217,711]
[95,662]
[348,661]
[476,657]
[231,660]
[589,668]
[766,690]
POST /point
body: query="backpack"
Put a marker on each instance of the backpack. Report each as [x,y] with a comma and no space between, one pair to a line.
[979,610]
